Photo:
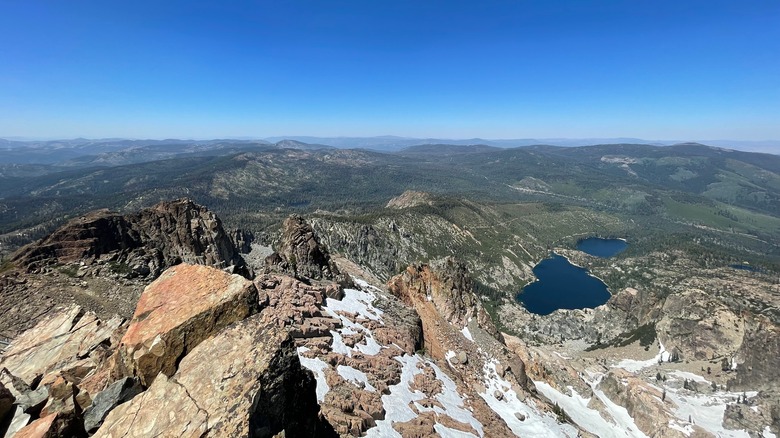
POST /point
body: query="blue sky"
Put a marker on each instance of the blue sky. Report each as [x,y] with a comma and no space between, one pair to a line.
[493,69]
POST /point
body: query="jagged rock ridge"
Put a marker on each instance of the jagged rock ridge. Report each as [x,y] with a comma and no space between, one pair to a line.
[300,254]
[448,286]
[143,243]
[103,260]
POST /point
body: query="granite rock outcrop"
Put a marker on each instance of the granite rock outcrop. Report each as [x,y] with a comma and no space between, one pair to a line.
[184,306]
[140,244]
[300,254]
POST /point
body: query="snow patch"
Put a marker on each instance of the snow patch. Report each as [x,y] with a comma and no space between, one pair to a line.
[686,429]
[635,366]
[561,355]
[363,284]
[360,304]
[453,402]
[617,412]
[705,410]
[535,424]
[689,376]
[467,333]
[338,345]
[357,302]
[318,367]
[355,376]
[446,432]
[576,406]
[397,409]
[449,356]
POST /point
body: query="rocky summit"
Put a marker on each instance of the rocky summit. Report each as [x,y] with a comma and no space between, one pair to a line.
[103,260]
[317,345]
[142,243]
[301,254]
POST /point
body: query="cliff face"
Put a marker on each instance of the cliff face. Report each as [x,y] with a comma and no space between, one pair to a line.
[447,285]
[137,244]
[103,260]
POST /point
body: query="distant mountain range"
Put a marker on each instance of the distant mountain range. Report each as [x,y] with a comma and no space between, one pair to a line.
[84,152]
[390,143]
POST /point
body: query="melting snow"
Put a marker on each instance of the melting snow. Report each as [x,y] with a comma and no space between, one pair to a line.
[371,347]
[684,427]
[449,356]
[535,424]
[446,432]
[338,345]
[689,376]
[360,304]
[317,366]
[397,408]
[589,419]
[452,401]
[357,302]
[467,333]
[618,413]
[704,410]
[635,366]
[355,376]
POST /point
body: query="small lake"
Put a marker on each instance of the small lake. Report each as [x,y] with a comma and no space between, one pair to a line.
[561,285]
[604,248]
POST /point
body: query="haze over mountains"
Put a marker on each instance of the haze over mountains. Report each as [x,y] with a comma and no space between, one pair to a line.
[114,151]
[392,143]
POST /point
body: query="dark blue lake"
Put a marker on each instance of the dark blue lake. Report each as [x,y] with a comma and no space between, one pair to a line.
[604,248]
[561,285]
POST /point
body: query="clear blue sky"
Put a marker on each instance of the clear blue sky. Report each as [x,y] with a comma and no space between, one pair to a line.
[653,69]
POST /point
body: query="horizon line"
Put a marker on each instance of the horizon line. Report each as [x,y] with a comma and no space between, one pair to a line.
[400,137]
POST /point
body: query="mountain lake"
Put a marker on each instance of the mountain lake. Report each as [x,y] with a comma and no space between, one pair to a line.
[561,285]
[604,248]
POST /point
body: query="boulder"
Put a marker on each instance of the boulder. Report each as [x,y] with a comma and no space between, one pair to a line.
[54,425]
[352,411]
[62,398]
[117,393]
[245,381]
[29,400]
[163,409]
[184,306]
[57,343]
